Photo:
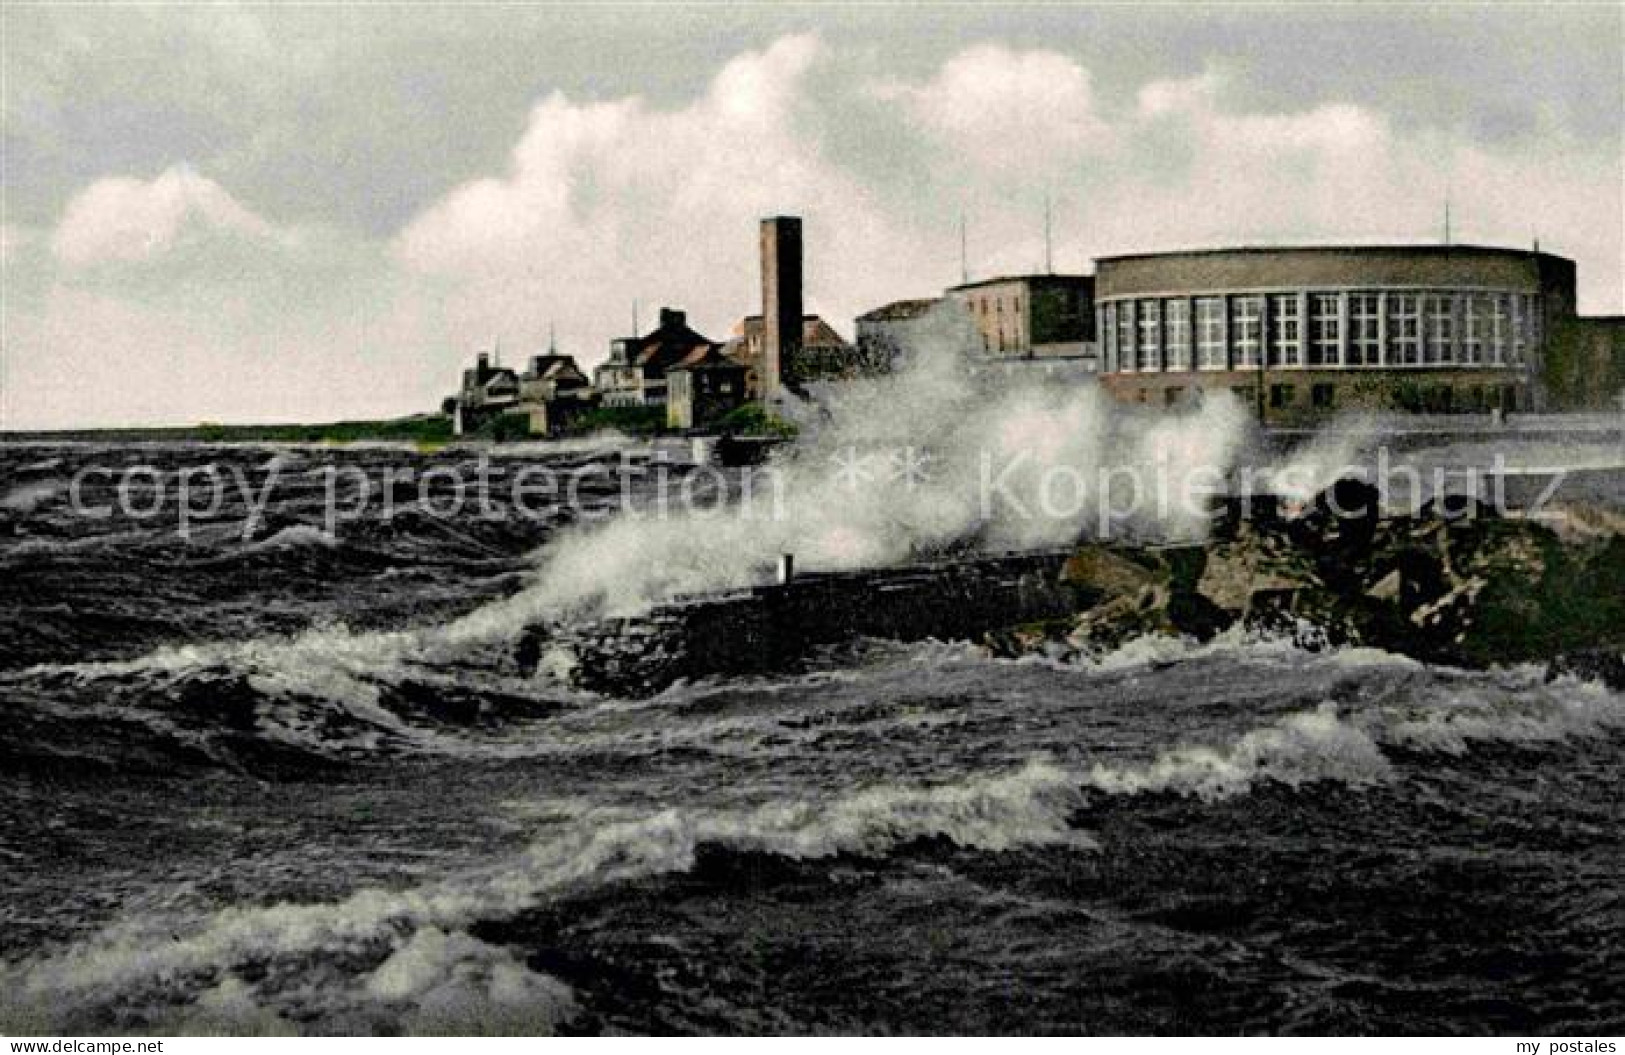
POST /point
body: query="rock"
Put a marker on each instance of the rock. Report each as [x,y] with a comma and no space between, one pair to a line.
[1350,500]
[1028,638]
[1450,508]
[1098,568]
[1120,620]
[1386,588]
[1233,513]
[1237,570]
[1192,614]
[1341,520]
[1422,578]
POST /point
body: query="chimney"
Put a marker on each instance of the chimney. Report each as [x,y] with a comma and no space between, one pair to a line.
[482,367]
[672,317]
[781,299]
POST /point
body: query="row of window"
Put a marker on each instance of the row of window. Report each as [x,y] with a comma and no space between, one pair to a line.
[995,332]
[1318,329]
[1432,399]
[982,304]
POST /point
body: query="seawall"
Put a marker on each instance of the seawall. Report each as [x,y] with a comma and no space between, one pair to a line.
[772,627]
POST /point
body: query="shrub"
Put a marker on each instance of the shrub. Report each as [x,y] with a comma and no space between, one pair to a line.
[753,419]
[635,421]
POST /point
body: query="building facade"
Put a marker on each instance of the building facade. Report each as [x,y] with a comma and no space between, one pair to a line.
[548,395]
[1032,316]
[487,390]
[634,375]
[703,388]
[888,334]
[820,353]
[1301,333]
[1585,364]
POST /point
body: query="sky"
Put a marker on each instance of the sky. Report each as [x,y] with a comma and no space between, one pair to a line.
[311,212]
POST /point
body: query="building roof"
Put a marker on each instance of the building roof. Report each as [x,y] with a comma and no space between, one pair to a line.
[815,333]
[501,380]
[707,357]
[667,344]
[898,310]
[1420,248]
[811,325]
[1034,278]
[551,365]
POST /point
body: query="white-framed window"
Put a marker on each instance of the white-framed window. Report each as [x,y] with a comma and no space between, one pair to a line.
[1365,329]
[1500,329]
[1150,344]
[1176,326]
[1210,353]
[1534,325]
[1520,328]
[1125,334]
[1404,329]
[1286,330]
[1108,330]
[1325,329]
[1441,344]
[1247,325]
[1475,329]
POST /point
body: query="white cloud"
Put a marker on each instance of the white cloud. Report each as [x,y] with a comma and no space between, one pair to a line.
[1016,114]
[122,219]
[14,240]
[607,202]
[201,308]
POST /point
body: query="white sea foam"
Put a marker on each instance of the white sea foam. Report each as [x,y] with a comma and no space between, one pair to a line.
[296,536]
[604,441]
[1346,746]
[453,985]
[1565,710]
[1303,748]
[25,498]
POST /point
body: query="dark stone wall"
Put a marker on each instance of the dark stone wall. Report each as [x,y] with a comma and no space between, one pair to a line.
[773,627]
[1585,364]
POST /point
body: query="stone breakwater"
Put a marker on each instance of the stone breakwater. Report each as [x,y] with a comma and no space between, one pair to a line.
[771,628]
[1455,584]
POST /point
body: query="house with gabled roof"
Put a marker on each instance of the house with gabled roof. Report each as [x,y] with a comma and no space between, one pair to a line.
[635,373]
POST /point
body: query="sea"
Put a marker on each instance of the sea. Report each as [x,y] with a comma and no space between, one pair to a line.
[280,773]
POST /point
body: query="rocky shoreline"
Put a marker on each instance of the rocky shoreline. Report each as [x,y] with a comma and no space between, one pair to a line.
[1455,584]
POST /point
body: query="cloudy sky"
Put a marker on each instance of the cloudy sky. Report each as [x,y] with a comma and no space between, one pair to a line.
[302,213]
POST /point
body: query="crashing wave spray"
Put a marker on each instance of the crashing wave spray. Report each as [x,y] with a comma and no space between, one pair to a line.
[932,456]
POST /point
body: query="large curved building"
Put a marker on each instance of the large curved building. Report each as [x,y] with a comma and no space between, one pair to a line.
[1304,332]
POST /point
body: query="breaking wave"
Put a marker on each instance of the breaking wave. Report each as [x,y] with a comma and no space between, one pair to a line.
[1347,746]
[1319,745]
[890,468]
[409,951]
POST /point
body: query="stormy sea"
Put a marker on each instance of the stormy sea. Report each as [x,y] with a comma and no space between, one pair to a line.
[266,777]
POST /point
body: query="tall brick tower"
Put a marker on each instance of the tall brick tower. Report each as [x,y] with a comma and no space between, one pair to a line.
[781,299]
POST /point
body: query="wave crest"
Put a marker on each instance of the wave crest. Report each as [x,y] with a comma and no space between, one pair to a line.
[1302,748]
